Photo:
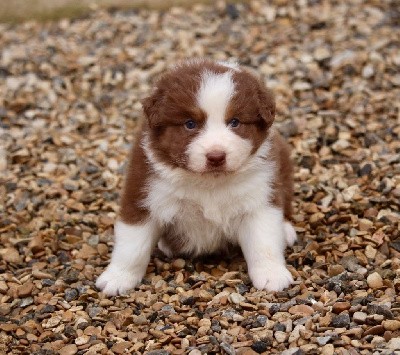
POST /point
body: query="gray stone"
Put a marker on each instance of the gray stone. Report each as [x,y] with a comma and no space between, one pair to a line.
[71,294]
[26,302]
[323,340]
[262,320]
[341,321]
[229,349]
[380,309]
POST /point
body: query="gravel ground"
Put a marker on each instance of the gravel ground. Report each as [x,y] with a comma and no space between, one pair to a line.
[69,105]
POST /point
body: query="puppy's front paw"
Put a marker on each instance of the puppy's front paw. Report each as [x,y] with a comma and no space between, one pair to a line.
[115,281]
[272,277]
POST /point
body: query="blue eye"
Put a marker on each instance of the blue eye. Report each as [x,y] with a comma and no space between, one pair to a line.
[190,124]
[234,122]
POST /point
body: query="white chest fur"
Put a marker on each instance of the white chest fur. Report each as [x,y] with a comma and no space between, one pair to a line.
[207,210]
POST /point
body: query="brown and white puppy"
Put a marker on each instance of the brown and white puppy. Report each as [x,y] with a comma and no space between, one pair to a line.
[207,170]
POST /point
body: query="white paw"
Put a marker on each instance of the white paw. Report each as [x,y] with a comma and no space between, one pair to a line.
[272,277]
[165,248]
[290,233]
[115,281]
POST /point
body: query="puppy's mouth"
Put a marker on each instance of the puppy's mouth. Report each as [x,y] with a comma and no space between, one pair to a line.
[215,171]
[208,170]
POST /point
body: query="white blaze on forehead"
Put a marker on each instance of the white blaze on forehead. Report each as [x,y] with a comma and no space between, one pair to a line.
[216,90]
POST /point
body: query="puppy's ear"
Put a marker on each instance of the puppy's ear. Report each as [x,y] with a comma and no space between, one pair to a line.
[151,107]
[266,104]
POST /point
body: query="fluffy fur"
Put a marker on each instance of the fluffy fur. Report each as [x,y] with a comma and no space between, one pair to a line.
[207,170]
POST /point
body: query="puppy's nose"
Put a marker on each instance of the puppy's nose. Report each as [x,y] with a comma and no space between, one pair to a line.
[216,157]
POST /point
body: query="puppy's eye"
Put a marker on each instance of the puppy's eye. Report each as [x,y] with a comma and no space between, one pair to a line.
[190,124]
[234,122]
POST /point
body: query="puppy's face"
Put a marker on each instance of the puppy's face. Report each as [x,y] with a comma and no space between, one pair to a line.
[207,117]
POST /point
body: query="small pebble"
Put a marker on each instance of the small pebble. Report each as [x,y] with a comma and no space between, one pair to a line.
[280,336]
[70,349]
[301,309]
[10,255]
[394,344]
[140,320]
[82,340]
[359,317]
[341,321]
[391,325]
[178,264]
[236,298]
[374,280]
[328,349]
[26,302]
[229,349]
[259,346]
[323,340]
[339,307]
[25,289]
[375,330]
[368,71]
[71,294]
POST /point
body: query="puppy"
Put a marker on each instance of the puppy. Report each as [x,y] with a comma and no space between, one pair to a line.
[207,170]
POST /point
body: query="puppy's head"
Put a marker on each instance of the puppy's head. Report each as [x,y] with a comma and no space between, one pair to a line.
[208,117]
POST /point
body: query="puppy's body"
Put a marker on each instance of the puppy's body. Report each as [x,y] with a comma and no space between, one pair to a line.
[207,171]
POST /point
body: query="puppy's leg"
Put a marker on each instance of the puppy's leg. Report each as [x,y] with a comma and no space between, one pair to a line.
[262,239]
[130,257]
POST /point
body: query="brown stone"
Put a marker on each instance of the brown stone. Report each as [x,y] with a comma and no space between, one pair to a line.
[25,289]
[10,255]
[70,349]
[8,327]
[335,270]
[102,249]
[119,348]
[391,324]
[339,307]
[301,309]
[86,252]
[36,244]
[375,330]
[326,320]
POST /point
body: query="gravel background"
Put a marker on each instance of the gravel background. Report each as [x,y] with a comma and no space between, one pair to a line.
[69,103]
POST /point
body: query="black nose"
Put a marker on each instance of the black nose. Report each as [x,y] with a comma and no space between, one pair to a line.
[216,157]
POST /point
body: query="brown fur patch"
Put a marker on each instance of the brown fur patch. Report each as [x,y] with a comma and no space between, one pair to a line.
[283,182]
[134,190]
[174,98]
[172,103]
[254,106]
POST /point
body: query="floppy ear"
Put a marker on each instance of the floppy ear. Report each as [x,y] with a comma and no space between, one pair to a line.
[151,107]
[266,104]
